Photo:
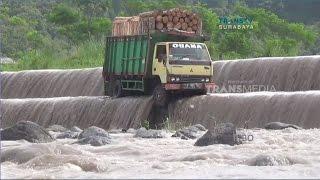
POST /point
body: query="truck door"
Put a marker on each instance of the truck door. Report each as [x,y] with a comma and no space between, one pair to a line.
[159,62]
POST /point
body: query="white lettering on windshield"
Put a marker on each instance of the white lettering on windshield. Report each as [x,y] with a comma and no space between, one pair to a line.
[195,46]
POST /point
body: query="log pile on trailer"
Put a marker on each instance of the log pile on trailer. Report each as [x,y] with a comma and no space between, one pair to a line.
[169,20]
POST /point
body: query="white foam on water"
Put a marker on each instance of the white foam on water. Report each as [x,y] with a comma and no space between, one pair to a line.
[287,153]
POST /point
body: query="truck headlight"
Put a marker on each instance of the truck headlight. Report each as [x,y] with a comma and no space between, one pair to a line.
[173,79]
[202,80]
[207,79]
[177,79]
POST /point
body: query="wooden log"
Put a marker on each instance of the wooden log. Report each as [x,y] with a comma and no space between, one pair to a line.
[194,28]
[159,26]
[184,14]
[186,19]
[178,14]
[165,19]
[184,26]
[177,26]
[170,25]
[194,21]
[189,29]
[170,18]
[159,18]
[181,20]
[175,20]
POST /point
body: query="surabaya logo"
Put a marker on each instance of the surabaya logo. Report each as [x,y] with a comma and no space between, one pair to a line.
[183,45]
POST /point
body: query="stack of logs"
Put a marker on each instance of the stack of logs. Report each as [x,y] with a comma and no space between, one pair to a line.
[169,20]
[178,19]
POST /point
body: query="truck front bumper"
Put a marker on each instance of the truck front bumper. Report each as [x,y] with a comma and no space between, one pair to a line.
[190,86]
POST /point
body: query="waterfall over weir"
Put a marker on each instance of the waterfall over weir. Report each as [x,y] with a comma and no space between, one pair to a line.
[247,109]
[52,83]
[300,73]
[81,111]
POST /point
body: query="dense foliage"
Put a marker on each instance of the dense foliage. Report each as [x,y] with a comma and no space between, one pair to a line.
[70,33]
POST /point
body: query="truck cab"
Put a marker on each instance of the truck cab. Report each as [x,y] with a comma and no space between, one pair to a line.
[181,67]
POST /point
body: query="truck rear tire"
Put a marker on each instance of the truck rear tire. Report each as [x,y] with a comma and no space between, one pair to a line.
[117,90]
[160,96]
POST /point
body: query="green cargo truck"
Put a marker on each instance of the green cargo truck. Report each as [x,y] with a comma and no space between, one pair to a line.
[158,63]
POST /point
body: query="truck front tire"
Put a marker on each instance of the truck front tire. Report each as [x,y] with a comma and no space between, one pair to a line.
[160,96]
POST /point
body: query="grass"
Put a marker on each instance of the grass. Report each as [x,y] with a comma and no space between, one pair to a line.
[87,54]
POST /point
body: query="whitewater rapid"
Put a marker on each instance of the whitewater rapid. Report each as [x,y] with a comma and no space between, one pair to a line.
[292,154]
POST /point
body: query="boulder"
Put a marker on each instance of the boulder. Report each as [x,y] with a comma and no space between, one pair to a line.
[224,133]
[270,160]
[75,129]
[94,136]
[93,131]
[151,133]
[131,131]
[68,134]
[57,128]
[280,125]
[27,130]
[191,132]
[94,140]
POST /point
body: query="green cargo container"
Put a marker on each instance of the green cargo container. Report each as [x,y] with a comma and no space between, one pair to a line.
[126,55]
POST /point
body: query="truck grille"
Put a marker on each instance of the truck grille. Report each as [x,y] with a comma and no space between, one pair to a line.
[191,79]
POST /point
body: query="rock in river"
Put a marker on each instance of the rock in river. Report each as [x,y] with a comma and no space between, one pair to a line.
[57,128]
[191,132]
[68,134]
[27,130]
[75,129]
[280,125]
[224,133]
[150,133]
[94,136]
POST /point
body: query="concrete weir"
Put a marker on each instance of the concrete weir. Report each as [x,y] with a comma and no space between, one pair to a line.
[52,83]
[300,73]
[81,111]
[244,110]
[249,109]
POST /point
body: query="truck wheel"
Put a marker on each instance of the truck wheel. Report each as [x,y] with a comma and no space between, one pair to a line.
[117,89]
[159,95]
[203,92]
[106,89]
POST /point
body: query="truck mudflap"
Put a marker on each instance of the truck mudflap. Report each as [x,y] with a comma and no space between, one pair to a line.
[190,86]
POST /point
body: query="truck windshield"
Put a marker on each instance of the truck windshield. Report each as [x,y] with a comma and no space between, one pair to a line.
[188,51]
